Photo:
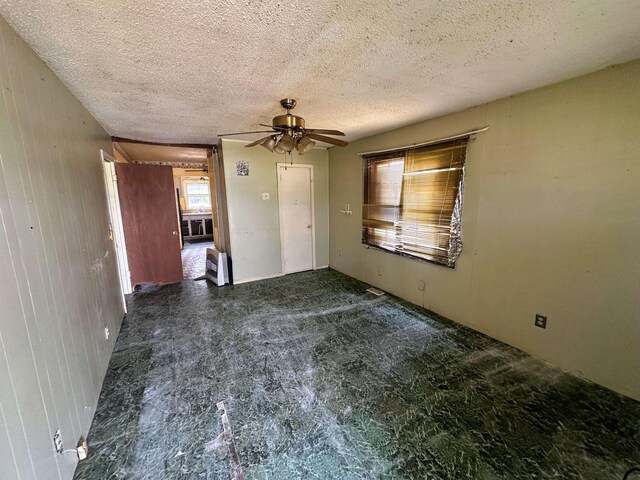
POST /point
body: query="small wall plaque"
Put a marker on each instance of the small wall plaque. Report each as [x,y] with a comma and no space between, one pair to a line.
[242,168]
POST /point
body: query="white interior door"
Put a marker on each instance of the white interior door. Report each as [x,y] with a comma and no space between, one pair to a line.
[295,196]
[115,227]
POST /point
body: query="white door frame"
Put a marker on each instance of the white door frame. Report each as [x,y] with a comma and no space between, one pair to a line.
[116,226]
[279,166]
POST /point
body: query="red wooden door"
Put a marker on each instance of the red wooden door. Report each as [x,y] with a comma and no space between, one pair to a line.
[150,222]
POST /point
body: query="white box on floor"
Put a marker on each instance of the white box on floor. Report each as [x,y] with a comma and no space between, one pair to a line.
[216,269]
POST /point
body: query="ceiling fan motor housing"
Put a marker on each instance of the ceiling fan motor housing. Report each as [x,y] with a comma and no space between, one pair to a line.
[287,122]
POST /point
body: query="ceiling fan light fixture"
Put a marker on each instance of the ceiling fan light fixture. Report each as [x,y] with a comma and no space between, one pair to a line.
[270,143]
[278,148]
[285,143]
[304,145]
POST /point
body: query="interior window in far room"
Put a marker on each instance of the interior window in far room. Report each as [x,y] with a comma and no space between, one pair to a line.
[197,193]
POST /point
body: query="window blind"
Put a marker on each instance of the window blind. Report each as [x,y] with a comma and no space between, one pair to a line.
[413,200]
[381,208]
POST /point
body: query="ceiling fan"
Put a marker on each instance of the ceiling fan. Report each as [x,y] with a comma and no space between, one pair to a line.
[289,132]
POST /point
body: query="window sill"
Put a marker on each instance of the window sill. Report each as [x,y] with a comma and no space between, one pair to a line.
[409,256]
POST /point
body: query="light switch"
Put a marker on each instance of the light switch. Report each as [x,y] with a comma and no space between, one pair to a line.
[265,195]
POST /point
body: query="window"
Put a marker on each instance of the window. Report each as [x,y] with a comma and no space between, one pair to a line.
[413,201]
[197,194]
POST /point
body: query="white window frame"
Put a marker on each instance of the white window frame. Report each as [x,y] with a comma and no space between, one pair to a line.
[185,194]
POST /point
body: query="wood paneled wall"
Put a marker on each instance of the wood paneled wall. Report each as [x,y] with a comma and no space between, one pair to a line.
[58,277]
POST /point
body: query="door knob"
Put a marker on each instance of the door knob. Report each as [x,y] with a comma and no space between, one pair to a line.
[175,232]
[308,226]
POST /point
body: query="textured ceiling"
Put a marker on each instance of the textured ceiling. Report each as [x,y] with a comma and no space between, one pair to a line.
[184,70]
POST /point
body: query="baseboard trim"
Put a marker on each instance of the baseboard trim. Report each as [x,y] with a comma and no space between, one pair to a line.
[255,279]
[275,275]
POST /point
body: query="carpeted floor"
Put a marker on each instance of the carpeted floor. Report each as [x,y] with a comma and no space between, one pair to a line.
[321,380]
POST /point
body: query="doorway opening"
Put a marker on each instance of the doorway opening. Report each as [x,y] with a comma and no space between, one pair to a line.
[169,209]
[193,190]
[116,228]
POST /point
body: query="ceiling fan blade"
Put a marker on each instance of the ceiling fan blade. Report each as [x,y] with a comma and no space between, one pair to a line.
[257,142]
[324,131]
[322,138]
[243,133]
[271,126]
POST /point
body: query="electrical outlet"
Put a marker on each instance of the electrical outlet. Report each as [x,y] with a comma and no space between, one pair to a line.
[339,253]
[107,332]
[57,441]
[541,321]
[379,271]
[421,285]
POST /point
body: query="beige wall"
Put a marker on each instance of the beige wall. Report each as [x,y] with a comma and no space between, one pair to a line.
[58,276]
[254,225]
[551,225]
